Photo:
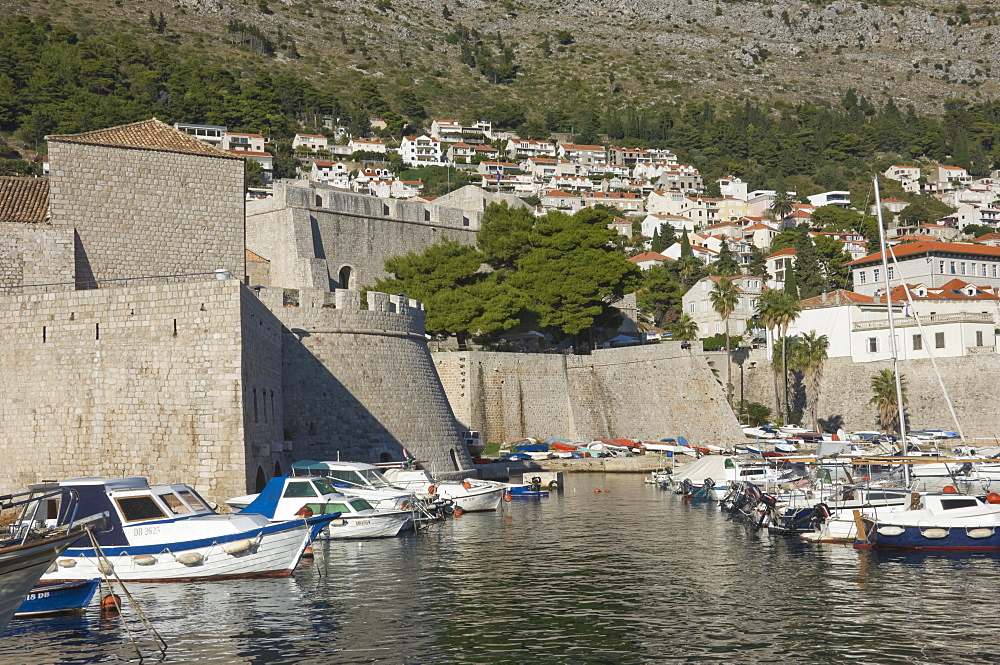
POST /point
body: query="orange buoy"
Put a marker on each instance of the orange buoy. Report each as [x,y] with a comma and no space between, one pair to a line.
[458,512]
[110,604]
[308,552]
[508,497]
[597,491]
[993,498]
[432,490]
[467,485]
[607,490]
[305,511]
[950,489]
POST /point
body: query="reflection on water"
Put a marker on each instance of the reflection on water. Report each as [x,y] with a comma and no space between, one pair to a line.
[631,575]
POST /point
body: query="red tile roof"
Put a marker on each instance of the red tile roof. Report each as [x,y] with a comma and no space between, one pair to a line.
[931,247]
[649,256]
[146,135]
[255,258]
[788,251]
[835,298]
[24,200]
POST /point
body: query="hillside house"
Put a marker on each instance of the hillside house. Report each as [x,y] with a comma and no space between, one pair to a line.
[367,145]
[627,202]
[697,303]
[929,262]
[653,223]
[420,151]
[647,260]
[582,154]
[902,173]
[239,142]
[778,265]
[528,148]
[311,142]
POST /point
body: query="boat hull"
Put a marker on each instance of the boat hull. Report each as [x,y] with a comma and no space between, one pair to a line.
[384,525]
[475,500]
[58,598]
[933,539]
[270,551]
[22,566]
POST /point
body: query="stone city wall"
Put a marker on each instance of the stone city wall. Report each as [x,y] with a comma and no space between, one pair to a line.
[648,392]
[311,233]
[845,391]
[145,212]
[359,383]
[127,381]
[35,254]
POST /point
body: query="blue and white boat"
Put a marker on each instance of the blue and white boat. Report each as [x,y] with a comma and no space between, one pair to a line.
[168,533]
[289,498]
[935,522]
[58,598]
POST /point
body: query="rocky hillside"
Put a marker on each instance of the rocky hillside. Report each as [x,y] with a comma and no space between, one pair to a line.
[612,51]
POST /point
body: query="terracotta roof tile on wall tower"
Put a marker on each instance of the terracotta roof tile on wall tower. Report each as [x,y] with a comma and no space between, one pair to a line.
[24,200]
[146,135]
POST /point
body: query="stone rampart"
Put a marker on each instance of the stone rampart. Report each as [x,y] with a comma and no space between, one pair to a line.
[316,236]
[147,212]
[359,383]
[647,392]
[130,381]
[35,254]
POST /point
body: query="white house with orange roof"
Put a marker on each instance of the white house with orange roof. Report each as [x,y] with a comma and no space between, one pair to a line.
[496,168]
[986,214]
[619,170]
[540,168]
[627,202]
[647,260]
[555,199]
[681,178]
[892,206]
[929,262]
[421,151]
[467,153]
[653,223]
[704,254]
[243,142]
[733,187]
[759,231]
[571,183]
[336,174]
[662,202]
[313,142]
[902,173]
[697,303]
[950,177]
[406,189]
[366,145]
[446,130]
[778,265]
[528,148]
[729,229]
[582,154]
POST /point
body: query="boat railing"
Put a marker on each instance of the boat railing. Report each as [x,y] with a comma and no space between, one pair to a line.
[32,518]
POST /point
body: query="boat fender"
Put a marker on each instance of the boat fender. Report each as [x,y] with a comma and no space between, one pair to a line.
[507,496]
[553,484]
[66,563]
[190,559]
[535,480]
[458,512]
[891,531]
[934,533]
[432,490]
[105,567]
[238,546]
[993,498]
[467,485]
[144,560]
[981,532]
[53,568]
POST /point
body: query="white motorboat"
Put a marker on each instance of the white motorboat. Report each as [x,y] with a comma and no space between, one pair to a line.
[29,547]
[470,495]
[290,498]
[937,522]
[168,533]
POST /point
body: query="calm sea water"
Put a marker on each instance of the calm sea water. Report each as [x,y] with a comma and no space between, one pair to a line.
[626,576]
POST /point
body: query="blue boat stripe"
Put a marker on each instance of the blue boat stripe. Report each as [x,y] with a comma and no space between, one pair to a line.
[135,550]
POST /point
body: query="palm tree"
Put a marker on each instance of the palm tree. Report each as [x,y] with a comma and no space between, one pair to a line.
[725,296]
[778,309]
[684,328]
[884,398]
[809,357]
[766,316]
[781,206]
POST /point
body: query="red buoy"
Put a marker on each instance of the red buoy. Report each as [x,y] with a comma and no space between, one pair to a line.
[110,604]
[597,491]
[458,512]
[993,498]
[607,490]
[508,497]
[950,489]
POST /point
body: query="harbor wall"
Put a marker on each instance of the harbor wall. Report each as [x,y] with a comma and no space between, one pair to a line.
[845,391]
[648,392]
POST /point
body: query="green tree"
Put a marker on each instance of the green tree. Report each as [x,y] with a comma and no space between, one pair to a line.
[725,296]
[833,261]
[776,311]
[725,264]
[781,206]
[757,265]
[884,398]
[660,295]
[684,328]
[791,286]
[809,278]
[505,235]
[810,358]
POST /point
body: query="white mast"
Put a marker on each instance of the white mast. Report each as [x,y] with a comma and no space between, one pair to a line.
[892,332]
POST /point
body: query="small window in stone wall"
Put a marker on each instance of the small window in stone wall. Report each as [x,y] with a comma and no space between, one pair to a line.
[260,481]
[939,340]
[454,458]
[255,419]
[465,221]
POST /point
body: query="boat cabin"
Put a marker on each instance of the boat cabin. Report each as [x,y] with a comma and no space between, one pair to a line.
[295,497]
[344,474]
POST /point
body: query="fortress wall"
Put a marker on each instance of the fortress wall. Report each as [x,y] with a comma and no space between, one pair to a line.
[319,230]
[35,254]
[145,212]
[644,392]
[360,383]
[138,380]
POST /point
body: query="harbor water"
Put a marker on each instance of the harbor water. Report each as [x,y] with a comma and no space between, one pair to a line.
[629,574]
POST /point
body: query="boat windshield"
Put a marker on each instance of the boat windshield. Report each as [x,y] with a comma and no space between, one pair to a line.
[324,486]
[193,500]
[361,504]
[174,503]
[374,477]
[137,508]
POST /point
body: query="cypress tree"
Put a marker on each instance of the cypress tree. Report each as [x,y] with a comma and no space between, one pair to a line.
[686,246]
[791,285]
[808,272]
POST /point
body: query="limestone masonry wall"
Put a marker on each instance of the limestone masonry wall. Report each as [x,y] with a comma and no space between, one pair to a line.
[35,254]
[134,381]
[647,392]
[310,233]
[359,384]
[144,212]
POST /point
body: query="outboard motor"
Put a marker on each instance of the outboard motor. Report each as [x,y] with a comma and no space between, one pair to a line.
[536,484]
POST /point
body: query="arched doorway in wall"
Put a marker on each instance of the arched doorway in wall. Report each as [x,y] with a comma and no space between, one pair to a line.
[345,276]
[258,485]
[277,469]
[385,457]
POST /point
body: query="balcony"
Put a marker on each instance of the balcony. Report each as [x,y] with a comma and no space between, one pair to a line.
[980,349]
[911,322]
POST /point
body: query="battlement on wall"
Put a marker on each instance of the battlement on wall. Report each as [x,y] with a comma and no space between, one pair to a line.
[345,311]
[323,197]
